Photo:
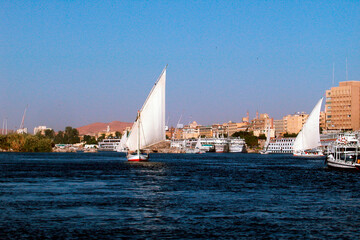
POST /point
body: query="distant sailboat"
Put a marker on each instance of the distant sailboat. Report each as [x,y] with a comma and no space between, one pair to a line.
[198,143]
[309,137]
[122,146]
[266,145]
[149,126]
[198,146]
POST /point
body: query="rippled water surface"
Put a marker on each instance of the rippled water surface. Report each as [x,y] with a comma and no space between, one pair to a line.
[208,196]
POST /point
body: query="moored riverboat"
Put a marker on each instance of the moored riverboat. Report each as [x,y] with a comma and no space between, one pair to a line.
[344,153]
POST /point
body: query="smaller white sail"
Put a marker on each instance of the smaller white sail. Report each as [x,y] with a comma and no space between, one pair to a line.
[309,136]
[198,144]
[122,145]
[267,138]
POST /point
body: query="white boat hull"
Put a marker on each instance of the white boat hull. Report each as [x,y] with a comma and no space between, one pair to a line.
[236,149]
[307,154]
[341,164]
[220,148]
[194,151]
[138,157]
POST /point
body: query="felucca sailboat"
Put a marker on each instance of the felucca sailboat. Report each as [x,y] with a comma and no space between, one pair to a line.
[149,126]
[308,138]
[266,145]
[122,146]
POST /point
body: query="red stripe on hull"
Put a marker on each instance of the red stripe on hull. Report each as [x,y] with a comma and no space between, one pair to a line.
[137,160]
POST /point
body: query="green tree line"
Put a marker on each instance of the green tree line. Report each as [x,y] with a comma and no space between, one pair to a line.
[25,143]
[39,143]
[68,136]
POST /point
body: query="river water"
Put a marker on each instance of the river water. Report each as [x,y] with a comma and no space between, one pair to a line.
[207,196]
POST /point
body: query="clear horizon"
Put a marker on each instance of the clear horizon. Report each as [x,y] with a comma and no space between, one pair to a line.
[77,63]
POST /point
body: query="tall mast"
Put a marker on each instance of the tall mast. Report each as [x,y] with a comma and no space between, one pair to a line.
[138,142]
[333,75]
[346,71]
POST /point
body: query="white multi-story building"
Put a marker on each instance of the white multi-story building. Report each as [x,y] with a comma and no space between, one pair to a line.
[41,129]
[110,144]
[22,130]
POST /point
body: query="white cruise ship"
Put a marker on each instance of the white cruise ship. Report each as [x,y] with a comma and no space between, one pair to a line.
[237,145]
[109,144]
[281,145]
[219,145]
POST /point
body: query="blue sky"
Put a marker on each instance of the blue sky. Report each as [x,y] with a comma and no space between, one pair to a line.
[79,62]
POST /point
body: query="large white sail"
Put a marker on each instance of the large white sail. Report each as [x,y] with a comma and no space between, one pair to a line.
[151,119]
[309,136]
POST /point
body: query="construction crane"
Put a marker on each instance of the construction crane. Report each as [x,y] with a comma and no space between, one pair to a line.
[22,129]
[4,128]
[23,118]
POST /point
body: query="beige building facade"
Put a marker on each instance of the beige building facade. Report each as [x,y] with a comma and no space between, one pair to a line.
[293,123]
[342,106]
[322,120]
[205,131]
[279,127]
[260,124]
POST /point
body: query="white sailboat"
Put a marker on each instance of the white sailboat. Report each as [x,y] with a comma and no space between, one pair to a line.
[198,146]
[266,145]
[149,126]
[122,146]
[308,138]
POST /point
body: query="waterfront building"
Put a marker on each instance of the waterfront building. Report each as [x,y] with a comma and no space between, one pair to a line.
[236,127]
[342,107]
[279,127]
[178,133]
[22,131]
[190,131]
[259,132]
[322,120]
[293,123]
[244,126]
[261,124]
[205,131]
[41,130]
[219,130]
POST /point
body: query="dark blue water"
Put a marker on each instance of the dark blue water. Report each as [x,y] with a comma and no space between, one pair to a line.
[208,196]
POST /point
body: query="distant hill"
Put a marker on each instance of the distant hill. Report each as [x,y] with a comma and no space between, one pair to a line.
[94,128]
